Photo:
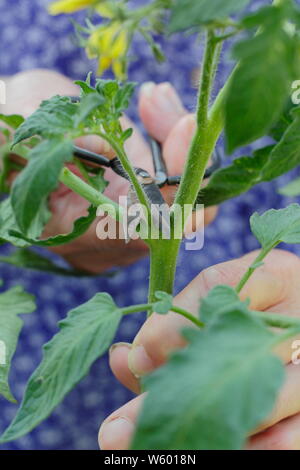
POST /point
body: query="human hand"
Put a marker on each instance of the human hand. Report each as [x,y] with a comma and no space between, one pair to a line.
[273,287]
[163,117]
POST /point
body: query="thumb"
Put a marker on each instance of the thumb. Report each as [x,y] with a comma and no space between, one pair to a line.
[160,109]
[161,334]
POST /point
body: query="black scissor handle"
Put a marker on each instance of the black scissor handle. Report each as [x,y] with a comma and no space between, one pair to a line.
[161,175]
[151,185]
[91,157]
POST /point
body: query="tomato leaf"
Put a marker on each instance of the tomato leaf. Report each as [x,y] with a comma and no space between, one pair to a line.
[38,179]
[25,258]
[89,103]
[286,154]
[53,118]
[252,105]
[189,13]
[12,303]
[207,382]
[8,224]
[80,226]
[276,226]
[84,335]
[12,120]
[219,300]
[235,179]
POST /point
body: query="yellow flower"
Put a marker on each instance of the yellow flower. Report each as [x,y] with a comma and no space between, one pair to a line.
[69,6]
[104,10]
[109,44]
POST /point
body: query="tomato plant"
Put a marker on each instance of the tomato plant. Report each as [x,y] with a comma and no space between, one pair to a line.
[224,383]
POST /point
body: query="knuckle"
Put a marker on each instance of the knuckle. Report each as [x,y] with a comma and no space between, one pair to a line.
[160,336]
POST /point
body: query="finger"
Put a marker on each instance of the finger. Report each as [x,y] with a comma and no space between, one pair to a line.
[160,109]
[178,142]
[288,402]
[166,120]
[96,144]
[160,335]
[118,361]
[176,149]
[283,436]
[42,83]
[117,430]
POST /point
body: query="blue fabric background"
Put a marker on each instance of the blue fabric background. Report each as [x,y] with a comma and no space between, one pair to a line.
[30,38]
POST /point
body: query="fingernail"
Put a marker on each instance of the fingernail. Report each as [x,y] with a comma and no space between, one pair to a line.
[147,89]
[167,99]
[139,362]
[119,345]
[116,434]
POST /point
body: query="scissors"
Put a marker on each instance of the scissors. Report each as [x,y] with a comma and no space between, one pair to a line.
[150,184]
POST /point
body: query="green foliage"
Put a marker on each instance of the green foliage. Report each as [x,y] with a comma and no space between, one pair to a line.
[266,164]
[189,13]
[206,409]
[12,120]
[8,224]
[292,189]
[25,258]
[164,303]
[253,104]
[84,336]
[39,178]
[89,103]
[235,179]
[12,303]
[286,154]
[80,226]
[284,121]
[224,383]
[58,121]
[112,100]
[219,299]
[276,226]
[54,118]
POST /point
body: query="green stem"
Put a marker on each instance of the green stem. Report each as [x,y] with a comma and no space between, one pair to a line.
[150,306]
[136,309]
[87,192]
[163,259]
[130,171]
[141,195]
[164,252]
[205,139]
[188,315]
[256,263]
[84,172]
[278,321]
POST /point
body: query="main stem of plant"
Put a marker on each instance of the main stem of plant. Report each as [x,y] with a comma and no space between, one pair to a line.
[164,253]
